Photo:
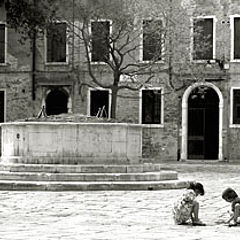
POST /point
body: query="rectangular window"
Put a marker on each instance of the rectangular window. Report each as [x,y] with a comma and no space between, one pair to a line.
[236,53]
[100,32]
[152,40]
[99,103]
[151,106]
[236,106]
[203,39]
[2,106]
[2,43]
[57,43]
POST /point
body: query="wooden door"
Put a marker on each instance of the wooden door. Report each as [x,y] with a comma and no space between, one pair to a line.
[203,125]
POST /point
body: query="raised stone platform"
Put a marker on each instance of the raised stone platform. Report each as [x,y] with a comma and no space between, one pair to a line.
[87,177]
[71,143]
[70,156]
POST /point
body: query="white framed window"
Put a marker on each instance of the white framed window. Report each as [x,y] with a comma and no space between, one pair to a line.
[151,106]
[99,102]
[56,44]
[203,38]
[235,107]
[152,40]
[235,38]
[3,43]
[100,31]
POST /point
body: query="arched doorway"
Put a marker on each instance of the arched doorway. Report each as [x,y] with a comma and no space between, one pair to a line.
[56,102]
[202,109]
[203,123]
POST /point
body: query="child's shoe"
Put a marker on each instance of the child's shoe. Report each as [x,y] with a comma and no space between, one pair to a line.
[232,224]
[198,223]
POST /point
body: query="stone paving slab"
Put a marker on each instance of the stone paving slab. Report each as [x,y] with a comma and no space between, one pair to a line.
[117,215]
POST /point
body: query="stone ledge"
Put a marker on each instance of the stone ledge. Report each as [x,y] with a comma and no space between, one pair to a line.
[88,177]
[77,168]
[91,186]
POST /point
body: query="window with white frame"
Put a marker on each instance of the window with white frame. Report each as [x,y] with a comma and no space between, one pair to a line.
[236,38]
[203,38]
[100,42]
[151,106]
[56,40]
[99,103]
[152,40]
[235,98]
[2,43]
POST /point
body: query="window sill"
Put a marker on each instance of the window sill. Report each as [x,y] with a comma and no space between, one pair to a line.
[56,63]
[235,60]
[98,63]
[234,126]
[3,64]
[151,62]
[204,61]
[152,125]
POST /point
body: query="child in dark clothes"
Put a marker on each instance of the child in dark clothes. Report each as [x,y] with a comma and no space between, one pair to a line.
[231,196]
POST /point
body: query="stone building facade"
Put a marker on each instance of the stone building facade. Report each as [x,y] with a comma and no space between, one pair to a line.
[197,120]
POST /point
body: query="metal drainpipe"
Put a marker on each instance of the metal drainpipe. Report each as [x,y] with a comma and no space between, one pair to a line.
[34,60]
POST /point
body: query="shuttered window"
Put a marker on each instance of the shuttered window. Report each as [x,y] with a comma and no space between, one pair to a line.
[236,38]
[100,32]
[151,106]
[56,43]
[152,40]
[203,39]
[2,43]
[236,106]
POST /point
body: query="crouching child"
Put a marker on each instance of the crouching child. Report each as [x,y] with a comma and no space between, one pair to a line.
[231,196]
[186,208]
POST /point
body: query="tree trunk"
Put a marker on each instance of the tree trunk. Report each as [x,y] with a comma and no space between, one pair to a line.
[114,102]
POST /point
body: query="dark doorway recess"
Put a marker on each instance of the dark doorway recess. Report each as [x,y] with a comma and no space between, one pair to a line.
[56,102]
[203,124]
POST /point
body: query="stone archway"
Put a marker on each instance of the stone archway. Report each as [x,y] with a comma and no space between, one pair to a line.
[56,102]
[201,108]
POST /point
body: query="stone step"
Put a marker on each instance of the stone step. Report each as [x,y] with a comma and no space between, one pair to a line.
[99,177]
[91,186]
[69,160]
[83,168]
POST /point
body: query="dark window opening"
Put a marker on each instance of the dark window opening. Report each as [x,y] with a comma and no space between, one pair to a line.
[236,38]
[203,39]
[100,41]
[236,106]
[151,106]
[2,106]
[56,43]
[99,102]
[56,102]
[152,40]
[2,43]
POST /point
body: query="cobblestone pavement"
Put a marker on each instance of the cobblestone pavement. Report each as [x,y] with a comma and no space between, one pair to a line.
[119,215]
